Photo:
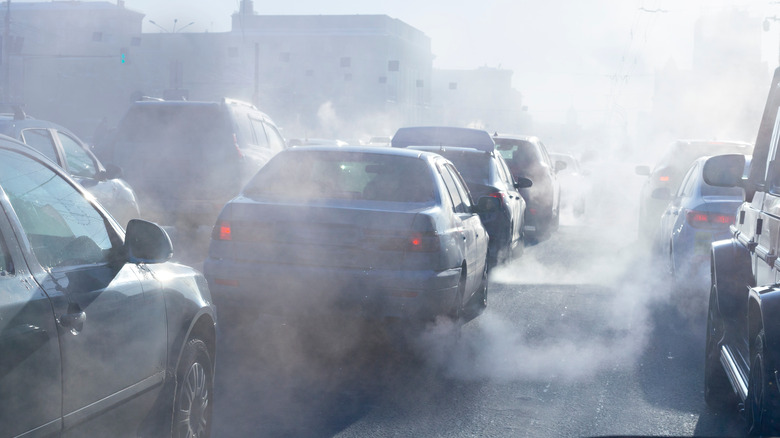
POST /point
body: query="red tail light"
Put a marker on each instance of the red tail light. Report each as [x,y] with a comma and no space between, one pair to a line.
[423,242]
[705,219]
[222,231]
[663,178]
[501,196]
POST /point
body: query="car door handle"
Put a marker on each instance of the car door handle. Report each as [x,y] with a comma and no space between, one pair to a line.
[74,322]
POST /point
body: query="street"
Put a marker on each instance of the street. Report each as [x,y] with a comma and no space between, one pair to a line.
[582,337]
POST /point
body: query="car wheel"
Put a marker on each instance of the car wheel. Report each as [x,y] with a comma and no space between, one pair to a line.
[194,392]
[759,406]
[717,389]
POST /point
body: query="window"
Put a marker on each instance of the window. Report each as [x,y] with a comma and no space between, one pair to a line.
[458,206]
[97,36]
[63,228]
[80,163]
[346,61]
[275,140]
[463,190]
[284,56]
[233,52]
[383,79]
[262,139]
[393,65]
[309,72]
[453,85]
[348,77]
[135,41]
[420,83]
[41,140]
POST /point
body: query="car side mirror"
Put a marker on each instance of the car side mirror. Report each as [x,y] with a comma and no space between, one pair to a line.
[487,204]
[147,242]
[724,170]
[560,165]
[662,194]
[523,183]
[642,170]
[112,171]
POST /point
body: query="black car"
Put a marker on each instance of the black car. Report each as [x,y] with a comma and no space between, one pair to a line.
[99,334]
[66,149]
[486,174]
[527,156]
[742,349]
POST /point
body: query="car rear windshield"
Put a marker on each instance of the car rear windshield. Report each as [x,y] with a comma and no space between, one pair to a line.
[473,167]
[343,175]
[177,127]
[519,152]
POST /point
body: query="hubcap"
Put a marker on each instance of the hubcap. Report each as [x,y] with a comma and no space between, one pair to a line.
[193,403]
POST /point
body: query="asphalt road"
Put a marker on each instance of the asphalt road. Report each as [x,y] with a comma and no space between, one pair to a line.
[582,337]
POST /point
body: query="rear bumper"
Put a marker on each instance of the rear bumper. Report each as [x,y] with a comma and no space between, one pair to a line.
[249,290]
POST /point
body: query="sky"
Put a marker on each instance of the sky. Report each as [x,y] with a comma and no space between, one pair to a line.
[586,55]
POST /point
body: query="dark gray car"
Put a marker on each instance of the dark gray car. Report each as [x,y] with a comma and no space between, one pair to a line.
[99,334]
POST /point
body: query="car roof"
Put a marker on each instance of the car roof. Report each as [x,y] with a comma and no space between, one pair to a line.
[442,136]
[453,149]
[359,149]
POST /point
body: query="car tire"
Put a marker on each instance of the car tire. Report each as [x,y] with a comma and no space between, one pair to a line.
[761,400]
[193,402]
[717,389]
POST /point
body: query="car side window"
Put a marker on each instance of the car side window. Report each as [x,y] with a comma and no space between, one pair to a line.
[503,172]
[63,228]
[773,146]
[686,188]
[262,139]
[80,163]
[275,140]
[246,133]
[41,140]
[463,190]
[458,205]
[6,263]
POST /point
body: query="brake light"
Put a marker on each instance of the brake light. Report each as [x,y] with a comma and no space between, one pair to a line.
[423,242]
[235,144]
[501,196]
[663,178]
[705,219]
[223,231]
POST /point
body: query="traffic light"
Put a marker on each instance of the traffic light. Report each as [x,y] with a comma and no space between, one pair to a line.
[123,55]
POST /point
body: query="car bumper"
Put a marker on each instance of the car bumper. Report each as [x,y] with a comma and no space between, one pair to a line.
[248,290]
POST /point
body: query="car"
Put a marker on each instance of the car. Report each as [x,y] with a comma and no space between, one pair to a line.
[315,142]
[67,150]
[376,233]
[574,184]
[668,173]
[205,152]
[486,174]
[742,353]
[696,215]
[527,156]
[97,328]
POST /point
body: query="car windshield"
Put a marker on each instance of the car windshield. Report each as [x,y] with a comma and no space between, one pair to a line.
[357,176]
[473,167]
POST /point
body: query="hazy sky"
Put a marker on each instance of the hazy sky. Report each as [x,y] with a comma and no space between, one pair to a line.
[583,54]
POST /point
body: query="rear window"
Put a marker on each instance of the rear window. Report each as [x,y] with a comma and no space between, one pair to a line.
[338,175]
[519,152]
[179,127]
[473,167]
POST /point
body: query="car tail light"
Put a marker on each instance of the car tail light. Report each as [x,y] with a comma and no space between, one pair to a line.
[532,211]
[238,148]
[663,178]
[223,231]
[501,196]
[423,242]
[706,219]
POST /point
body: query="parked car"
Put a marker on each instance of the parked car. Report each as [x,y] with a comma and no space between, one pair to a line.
[696,215]
[96,328]
[668,173]
[742,349]
[486,174]
[69,152]
[527,156]
[375,232]
[574,184]
[204,153]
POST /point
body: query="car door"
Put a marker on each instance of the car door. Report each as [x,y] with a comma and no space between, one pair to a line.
[474,235]
[30,371]
[113,336]
[673,215]
[515,200]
